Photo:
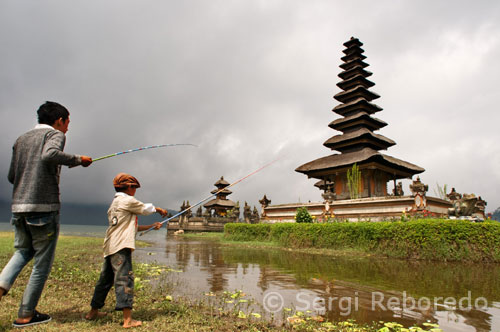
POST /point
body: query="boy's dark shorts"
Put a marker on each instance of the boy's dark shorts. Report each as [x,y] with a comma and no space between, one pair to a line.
[117,270]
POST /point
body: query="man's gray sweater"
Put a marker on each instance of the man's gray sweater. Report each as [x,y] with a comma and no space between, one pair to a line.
[34,171]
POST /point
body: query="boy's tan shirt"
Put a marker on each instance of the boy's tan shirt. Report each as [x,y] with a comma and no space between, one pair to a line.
[122,217]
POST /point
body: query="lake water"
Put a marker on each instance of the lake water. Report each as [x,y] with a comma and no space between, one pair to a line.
[458,297]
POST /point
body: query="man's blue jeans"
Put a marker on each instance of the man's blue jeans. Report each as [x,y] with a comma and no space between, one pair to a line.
[35,237]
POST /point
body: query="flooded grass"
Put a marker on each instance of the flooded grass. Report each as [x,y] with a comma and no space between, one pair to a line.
[76,268]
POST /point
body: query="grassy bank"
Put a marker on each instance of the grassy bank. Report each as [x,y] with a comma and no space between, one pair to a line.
[429,239]
[76,268]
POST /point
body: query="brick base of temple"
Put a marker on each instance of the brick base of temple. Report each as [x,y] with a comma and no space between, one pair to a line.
[362,209]
[199,224]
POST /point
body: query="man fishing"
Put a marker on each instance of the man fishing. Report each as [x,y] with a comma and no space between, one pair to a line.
[34,171]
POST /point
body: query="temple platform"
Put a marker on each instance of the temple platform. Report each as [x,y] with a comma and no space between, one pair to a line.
[361,209]
[199,224]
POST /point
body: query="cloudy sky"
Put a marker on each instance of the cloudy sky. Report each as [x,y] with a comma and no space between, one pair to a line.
[248,81]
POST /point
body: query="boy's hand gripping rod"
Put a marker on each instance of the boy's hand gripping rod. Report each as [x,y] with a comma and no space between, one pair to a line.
[215,194]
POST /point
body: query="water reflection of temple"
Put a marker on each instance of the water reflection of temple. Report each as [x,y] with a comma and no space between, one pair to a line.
[217,268]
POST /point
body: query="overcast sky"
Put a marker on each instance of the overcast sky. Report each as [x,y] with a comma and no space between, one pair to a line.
[248,81]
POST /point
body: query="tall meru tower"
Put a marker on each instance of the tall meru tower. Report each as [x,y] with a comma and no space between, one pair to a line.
[358,143]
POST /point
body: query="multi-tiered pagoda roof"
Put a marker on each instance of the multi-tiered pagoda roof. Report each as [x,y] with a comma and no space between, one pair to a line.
[220,203]
[358,143]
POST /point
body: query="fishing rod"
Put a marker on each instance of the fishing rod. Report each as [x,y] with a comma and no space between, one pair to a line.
[137,149]
[212,195]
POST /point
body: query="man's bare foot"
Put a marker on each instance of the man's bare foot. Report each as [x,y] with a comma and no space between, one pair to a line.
[132,323]
[95,314]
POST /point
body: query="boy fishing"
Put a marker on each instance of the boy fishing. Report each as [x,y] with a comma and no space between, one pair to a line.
[118,246]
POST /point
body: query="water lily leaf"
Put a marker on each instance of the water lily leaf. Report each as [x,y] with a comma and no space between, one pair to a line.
[430,325]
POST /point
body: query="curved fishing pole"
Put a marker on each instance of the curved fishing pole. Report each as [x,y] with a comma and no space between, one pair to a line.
[212,195]
[138,149]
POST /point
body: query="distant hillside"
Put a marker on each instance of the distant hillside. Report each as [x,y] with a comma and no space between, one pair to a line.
[496,214]
[81,214]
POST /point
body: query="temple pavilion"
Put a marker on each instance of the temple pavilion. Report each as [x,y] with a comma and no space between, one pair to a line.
[220,204]
[358,143]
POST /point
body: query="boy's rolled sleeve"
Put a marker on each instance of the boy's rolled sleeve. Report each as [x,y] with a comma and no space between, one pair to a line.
[138,207]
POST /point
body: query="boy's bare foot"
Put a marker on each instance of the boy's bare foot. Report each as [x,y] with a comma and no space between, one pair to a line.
[94,314]
[132,323]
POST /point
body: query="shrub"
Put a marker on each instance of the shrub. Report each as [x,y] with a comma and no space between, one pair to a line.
[302,215]
[429,239]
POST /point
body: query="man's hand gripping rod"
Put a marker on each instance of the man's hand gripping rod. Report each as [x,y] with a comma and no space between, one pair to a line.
[212,195]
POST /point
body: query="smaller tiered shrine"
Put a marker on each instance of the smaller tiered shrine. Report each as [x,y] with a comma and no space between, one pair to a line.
[219,206]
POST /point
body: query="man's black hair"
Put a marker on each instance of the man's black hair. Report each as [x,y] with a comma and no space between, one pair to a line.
[50,112]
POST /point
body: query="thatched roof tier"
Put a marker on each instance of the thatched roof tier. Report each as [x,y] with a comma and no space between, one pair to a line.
[355,81]
[354,49]
[357,139]
[355,106]
[353,63]
[223,192]
[364,158]
[359,120]
[357,70]
[353,56]
[355,93]
[322,184]
[225,203]
[221,182]
[353,42]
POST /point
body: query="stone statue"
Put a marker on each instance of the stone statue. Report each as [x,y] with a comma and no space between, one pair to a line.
[398,190]
[236,210]
[468,205]
[188,213]
[247,213]
[453,195]
[417,187]
[264,202]
[255,216]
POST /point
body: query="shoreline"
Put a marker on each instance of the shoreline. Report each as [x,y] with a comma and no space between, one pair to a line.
[76,268]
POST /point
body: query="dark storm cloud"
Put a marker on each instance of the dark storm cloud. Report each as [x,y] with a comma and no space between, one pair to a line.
[248,81]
